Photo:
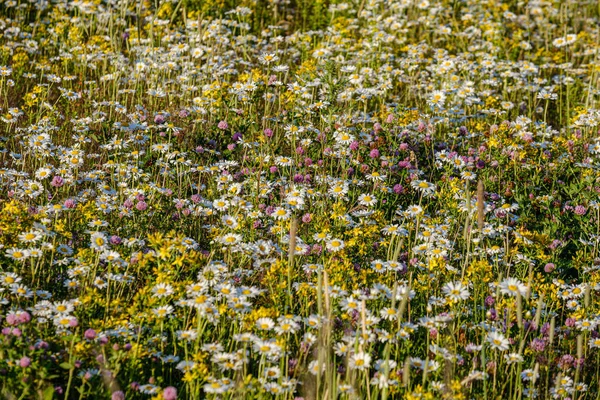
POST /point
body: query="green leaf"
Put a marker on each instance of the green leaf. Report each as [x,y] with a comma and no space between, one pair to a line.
[48,393]
[66,365]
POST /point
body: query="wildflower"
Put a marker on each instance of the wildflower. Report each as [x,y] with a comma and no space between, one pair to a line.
[185,366]
[21,290]
[559,42]
[272,373]
[414,211]
[316,369]
[89,334]
[528,375]
[335,245]
[265,324]
[586,324]
[63,307]
[17,254]
[379,266]
[509,207]
[163,311]
[117,395]
[393,229]
[96,223]
[360,361]
[188,335]
[537,345]
[162,290]
[468,175]
[512,286]
[283,161]
[281,213]
[437,99]
[221,204]
[349,304]
[5,71]
[229,221]
[497,341]
[170,393]
[456,291]
[424,187]
[71,283]
[581,387]
[24,362]
[98,241]
[64,321]
[231,239]
[594,343]
[216,386]
[149,389]
[376,177]
[513,358]
[367,200]
[268,58]
[580,210]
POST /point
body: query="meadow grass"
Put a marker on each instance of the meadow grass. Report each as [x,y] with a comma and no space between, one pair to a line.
[299,199]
